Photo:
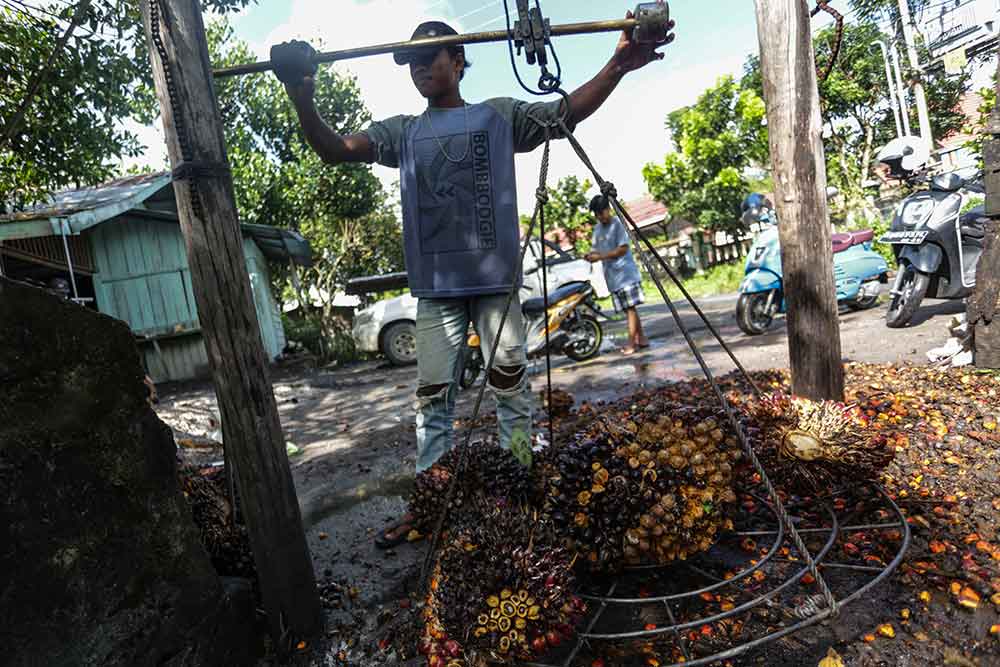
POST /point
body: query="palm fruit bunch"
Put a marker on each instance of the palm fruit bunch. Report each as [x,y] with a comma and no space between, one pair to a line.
[643,487]
[225,539]
[501,589]
[488,469]
[808,446]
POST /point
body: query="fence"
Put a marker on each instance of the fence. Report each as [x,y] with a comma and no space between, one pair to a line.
[700,251]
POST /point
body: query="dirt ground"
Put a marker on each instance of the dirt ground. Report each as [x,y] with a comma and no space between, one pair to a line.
[354,432]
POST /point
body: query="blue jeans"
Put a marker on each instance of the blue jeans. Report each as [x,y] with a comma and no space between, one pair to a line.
[442,329]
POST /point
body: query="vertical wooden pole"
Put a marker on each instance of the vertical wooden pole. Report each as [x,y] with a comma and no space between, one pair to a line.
[209,222]
[793,120]
[984,304]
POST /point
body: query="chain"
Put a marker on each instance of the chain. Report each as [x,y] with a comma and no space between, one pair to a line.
[838,40]
[608,189]
[183,140]
[468,136]
[541,196]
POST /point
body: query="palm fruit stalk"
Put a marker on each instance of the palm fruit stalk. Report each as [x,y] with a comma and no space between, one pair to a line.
[644,486]
[501,589]
[809,447]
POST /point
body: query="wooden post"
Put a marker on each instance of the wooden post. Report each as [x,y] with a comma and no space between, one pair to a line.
[793,120]
[209,222]
[985,302]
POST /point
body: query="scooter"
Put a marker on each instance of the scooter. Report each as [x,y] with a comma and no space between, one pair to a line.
[937,247]
[574,329]
[859,272]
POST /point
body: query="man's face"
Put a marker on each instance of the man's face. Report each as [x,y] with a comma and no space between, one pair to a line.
[604,216]
[435,74]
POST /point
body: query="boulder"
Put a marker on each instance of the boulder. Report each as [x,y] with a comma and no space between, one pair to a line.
[100,562]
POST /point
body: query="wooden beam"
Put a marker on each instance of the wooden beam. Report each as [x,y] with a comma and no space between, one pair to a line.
[207,209]
[799,170]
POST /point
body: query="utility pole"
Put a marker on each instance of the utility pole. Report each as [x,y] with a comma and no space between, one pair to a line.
[206,205]
[893,97]
[985,302]
[904,109]
[918,84]
[788,68]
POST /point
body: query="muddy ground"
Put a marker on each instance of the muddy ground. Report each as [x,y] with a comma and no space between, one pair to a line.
[354,427]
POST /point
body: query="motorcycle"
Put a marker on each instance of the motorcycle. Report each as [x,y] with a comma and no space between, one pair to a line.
[574,329]
[937,247]
[859,272]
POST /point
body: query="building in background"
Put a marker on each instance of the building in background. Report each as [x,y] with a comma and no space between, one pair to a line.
[118,248]
[960,35]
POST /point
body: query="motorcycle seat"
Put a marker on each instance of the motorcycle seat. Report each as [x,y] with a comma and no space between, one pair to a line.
[845,240]
[537,305]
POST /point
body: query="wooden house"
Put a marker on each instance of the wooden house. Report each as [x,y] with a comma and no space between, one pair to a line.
[118,248]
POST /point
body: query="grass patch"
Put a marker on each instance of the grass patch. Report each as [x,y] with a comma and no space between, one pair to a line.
[720,279]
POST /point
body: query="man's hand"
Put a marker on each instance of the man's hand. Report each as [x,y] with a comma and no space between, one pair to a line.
[630,56]
[294,64]
[592,257]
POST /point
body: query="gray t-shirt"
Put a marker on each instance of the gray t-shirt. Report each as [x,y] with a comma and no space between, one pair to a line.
[459,194]
[621,271]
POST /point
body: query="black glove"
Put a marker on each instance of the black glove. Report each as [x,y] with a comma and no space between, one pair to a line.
[293,61]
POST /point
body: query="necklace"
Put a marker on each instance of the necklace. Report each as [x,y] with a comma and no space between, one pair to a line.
[468,132]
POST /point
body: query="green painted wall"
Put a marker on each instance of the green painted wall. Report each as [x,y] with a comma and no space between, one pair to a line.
[143,278]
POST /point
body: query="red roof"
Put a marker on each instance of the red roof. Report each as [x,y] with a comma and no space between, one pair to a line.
[646,210]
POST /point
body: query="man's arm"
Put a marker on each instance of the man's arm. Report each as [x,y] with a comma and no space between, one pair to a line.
[331,147]
[595,256]
[629,56]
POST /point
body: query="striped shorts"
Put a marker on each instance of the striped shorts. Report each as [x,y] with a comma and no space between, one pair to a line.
[627,297]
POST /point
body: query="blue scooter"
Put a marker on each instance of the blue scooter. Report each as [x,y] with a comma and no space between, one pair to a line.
[859,272]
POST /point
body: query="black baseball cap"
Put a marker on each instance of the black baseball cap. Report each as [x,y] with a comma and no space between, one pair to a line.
[426,29]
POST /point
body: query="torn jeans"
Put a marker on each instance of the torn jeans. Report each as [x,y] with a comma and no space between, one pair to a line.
[442,330]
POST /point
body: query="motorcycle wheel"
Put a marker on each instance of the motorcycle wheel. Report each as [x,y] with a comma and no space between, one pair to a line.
[588,348]
[912,289]
[865,303]
[472,366]
[751,315]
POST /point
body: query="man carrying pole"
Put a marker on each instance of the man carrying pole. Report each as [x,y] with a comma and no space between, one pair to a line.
[456,163]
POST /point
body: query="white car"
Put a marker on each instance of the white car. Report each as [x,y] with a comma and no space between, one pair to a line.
[389,327]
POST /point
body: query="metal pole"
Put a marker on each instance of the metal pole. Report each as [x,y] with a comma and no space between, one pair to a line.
[902,92]
[589,27]
[893,99]
[919,96]
[69,260]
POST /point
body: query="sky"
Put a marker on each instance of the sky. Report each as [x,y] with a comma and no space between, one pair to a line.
[712,39]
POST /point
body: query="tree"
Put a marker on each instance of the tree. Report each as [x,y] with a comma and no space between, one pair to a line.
[716,139]
[568,209]
[73,134]
[857,113]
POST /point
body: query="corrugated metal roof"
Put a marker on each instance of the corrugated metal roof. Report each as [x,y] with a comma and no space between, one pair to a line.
[96,204]
[76,210]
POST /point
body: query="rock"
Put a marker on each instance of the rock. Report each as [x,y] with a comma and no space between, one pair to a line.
[100,562]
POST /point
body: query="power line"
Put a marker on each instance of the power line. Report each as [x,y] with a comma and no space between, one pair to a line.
[490,22]
[476,11]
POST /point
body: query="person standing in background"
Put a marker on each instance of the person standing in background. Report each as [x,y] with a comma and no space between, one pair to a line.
[610,245]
